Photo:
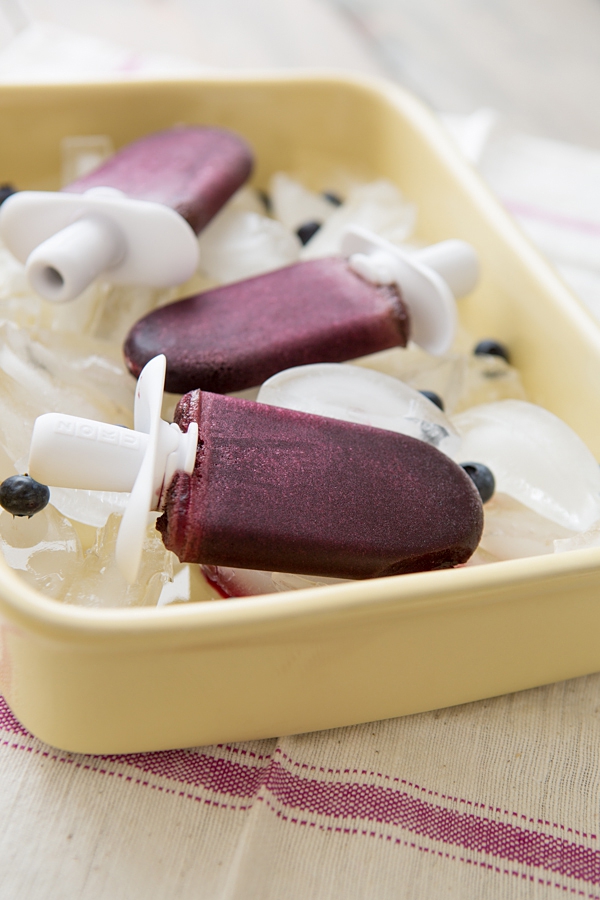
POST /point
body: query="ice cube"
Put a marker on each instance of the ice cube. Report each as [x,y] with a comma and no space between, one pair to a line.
[179,590]
[284,581]
[231,582]
[36,378]
[18,302]
[535,458]
[378,206]
[589,538]
[101,583]
[294,205]
[118,307]
[44,371]
[54,376]
[79,316]
[355,394]
[44,549]
[18,411]
[442,374]
[487,380]
[82,154]
[89,507]
[513,531]
[247,199]
[237,245]
[79,359]
[480,558]
[7,466]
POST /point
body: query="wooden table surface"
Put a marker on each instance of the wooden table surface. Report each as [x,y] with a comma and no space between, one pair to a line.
[536,62]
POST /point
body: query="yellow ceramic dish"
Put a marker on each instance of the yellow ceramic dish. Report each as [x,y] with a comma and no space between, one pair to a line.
[122,680]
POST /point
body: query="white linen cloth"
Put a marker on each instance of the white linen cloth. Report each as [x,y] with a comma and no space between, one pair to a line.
[496,799]
[551,188]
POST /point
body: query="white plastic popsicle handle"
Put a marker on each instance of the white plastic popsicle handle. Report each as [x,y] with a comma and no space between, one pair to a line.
[68,451]
[430,280]
[67,240]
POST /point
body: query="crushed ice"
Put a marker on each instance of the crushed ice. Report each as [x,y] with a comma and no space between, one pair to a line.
[67,358]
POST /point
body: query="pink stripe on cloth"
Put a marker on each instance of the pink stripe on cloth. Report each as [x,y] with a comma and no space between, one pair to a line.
[198,769]
[369,803]
[390,807]
[8,721]
[528,211]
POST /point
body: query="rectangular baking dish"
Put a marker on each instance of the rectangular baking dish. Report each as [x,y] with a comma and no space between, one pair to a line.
[124,680]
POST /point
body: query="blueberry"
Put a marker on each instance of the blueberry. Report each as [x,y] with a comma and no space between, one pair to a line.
[5,192]
[266,200]
[435,398]
[489,347]
[22,496]
[306,231]
[334,199]
[482,478]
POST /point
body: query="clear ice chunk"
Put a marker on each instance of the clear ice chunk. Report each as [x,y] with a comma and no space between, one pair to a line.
[232,582]
[101,583]
[77,364]
[238,244]
[354,394]
[22,306]
[179,590]
[81,154]
[284,581]
[294,205]
[246,199]
[443,374]
[79,315]
[535,458]
[117,307]
[7,466]
[18,302]
[489,379]
[67,374]
[589,538]
[88,507]
[378,206]
[44,549]
[18,411]
[513,531]
[41,372]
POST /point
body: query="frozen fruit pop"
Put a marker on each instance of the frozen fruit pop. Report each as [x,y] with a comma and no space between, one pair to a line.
[254,486]
[133,219]
[267,488]
[236,336]
[282,490]
[323,310]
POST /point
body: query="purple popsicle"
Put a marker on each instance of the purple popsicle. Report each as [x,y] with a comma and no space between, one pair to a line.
[236,336]
[282,490]
[133,220]
[192,169]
